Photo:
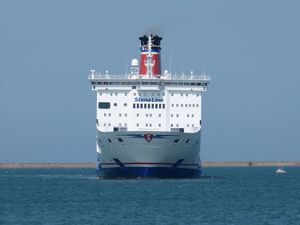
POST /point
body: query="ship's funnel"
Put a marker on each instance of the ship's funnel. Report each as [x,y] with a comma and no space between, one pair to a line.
[150,64]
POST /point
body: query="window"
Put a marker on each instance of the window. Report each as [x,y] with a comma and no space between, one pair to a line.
[159,125]
[152,106]
[145,106]
[150,125]
[163,106]
[177,125]
[115,104]
[150,115]
[176,105]
[192,115]
[171,125]
[197,105]
[172,105]
[137,115]
[181,94]
[110,94]
[125,114]
[159,115]
[120,139]
[193,105]
[116,94]
[134,94]
[134,105]
[109,114]
[146,124]
[172,94]
[171,115]
[148,105]
[188,115]
[141,106]
[137,124]
[104,105]
[181,105]
[159,106]
[137,105]
[177,115]
[104,114]
[146,115]
[125,104]
[156,105]
[120,114]
[186,94]
[125,94]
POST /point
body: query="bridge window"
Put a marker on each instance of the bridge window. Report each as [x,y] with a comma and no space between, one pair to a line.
[104,105]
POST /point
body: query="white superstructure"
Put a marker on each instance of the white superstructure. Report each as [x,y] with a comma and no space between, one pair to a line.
[148,123]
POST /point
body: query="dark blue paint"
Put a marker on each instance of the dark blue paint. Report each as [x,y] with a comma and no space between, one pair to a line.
[148,172]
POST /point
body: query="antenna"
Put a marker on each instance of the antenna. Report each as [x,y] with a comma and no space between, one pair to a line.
[170,69]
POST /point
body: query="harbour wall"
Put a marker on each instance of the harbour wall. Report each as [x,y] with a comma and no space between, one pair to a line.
[93,165]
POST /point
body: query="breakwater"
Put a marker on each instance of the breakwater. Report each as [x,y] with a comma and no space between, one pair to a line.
[93,165]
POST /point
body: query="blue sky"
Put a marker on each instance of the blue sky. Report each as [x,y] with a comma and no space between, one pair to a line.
[251,49]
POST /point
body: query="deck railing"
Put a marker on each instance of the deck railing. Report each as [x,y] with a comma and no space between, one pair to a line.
[96,76]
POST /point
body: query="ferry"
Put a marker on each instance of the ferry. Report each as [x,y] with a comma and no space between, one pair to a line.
[148,122]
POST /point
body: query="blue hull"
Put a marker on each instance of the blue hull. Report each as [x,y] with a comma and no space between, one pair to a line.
[147,172]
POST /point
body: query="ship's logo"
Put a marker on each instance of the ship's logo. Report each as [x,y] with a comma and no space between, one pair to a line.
[148,137]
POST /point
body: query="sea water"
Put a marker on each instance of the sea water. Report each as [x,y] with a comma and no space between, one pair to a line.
[248,195]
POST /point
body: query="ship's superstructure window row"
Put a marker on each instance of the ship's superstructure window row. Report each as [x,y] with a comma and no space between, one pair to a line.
[148,106]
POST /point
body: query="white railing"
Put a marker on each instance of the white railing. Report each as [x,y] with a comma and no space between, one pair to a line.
[96,76]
